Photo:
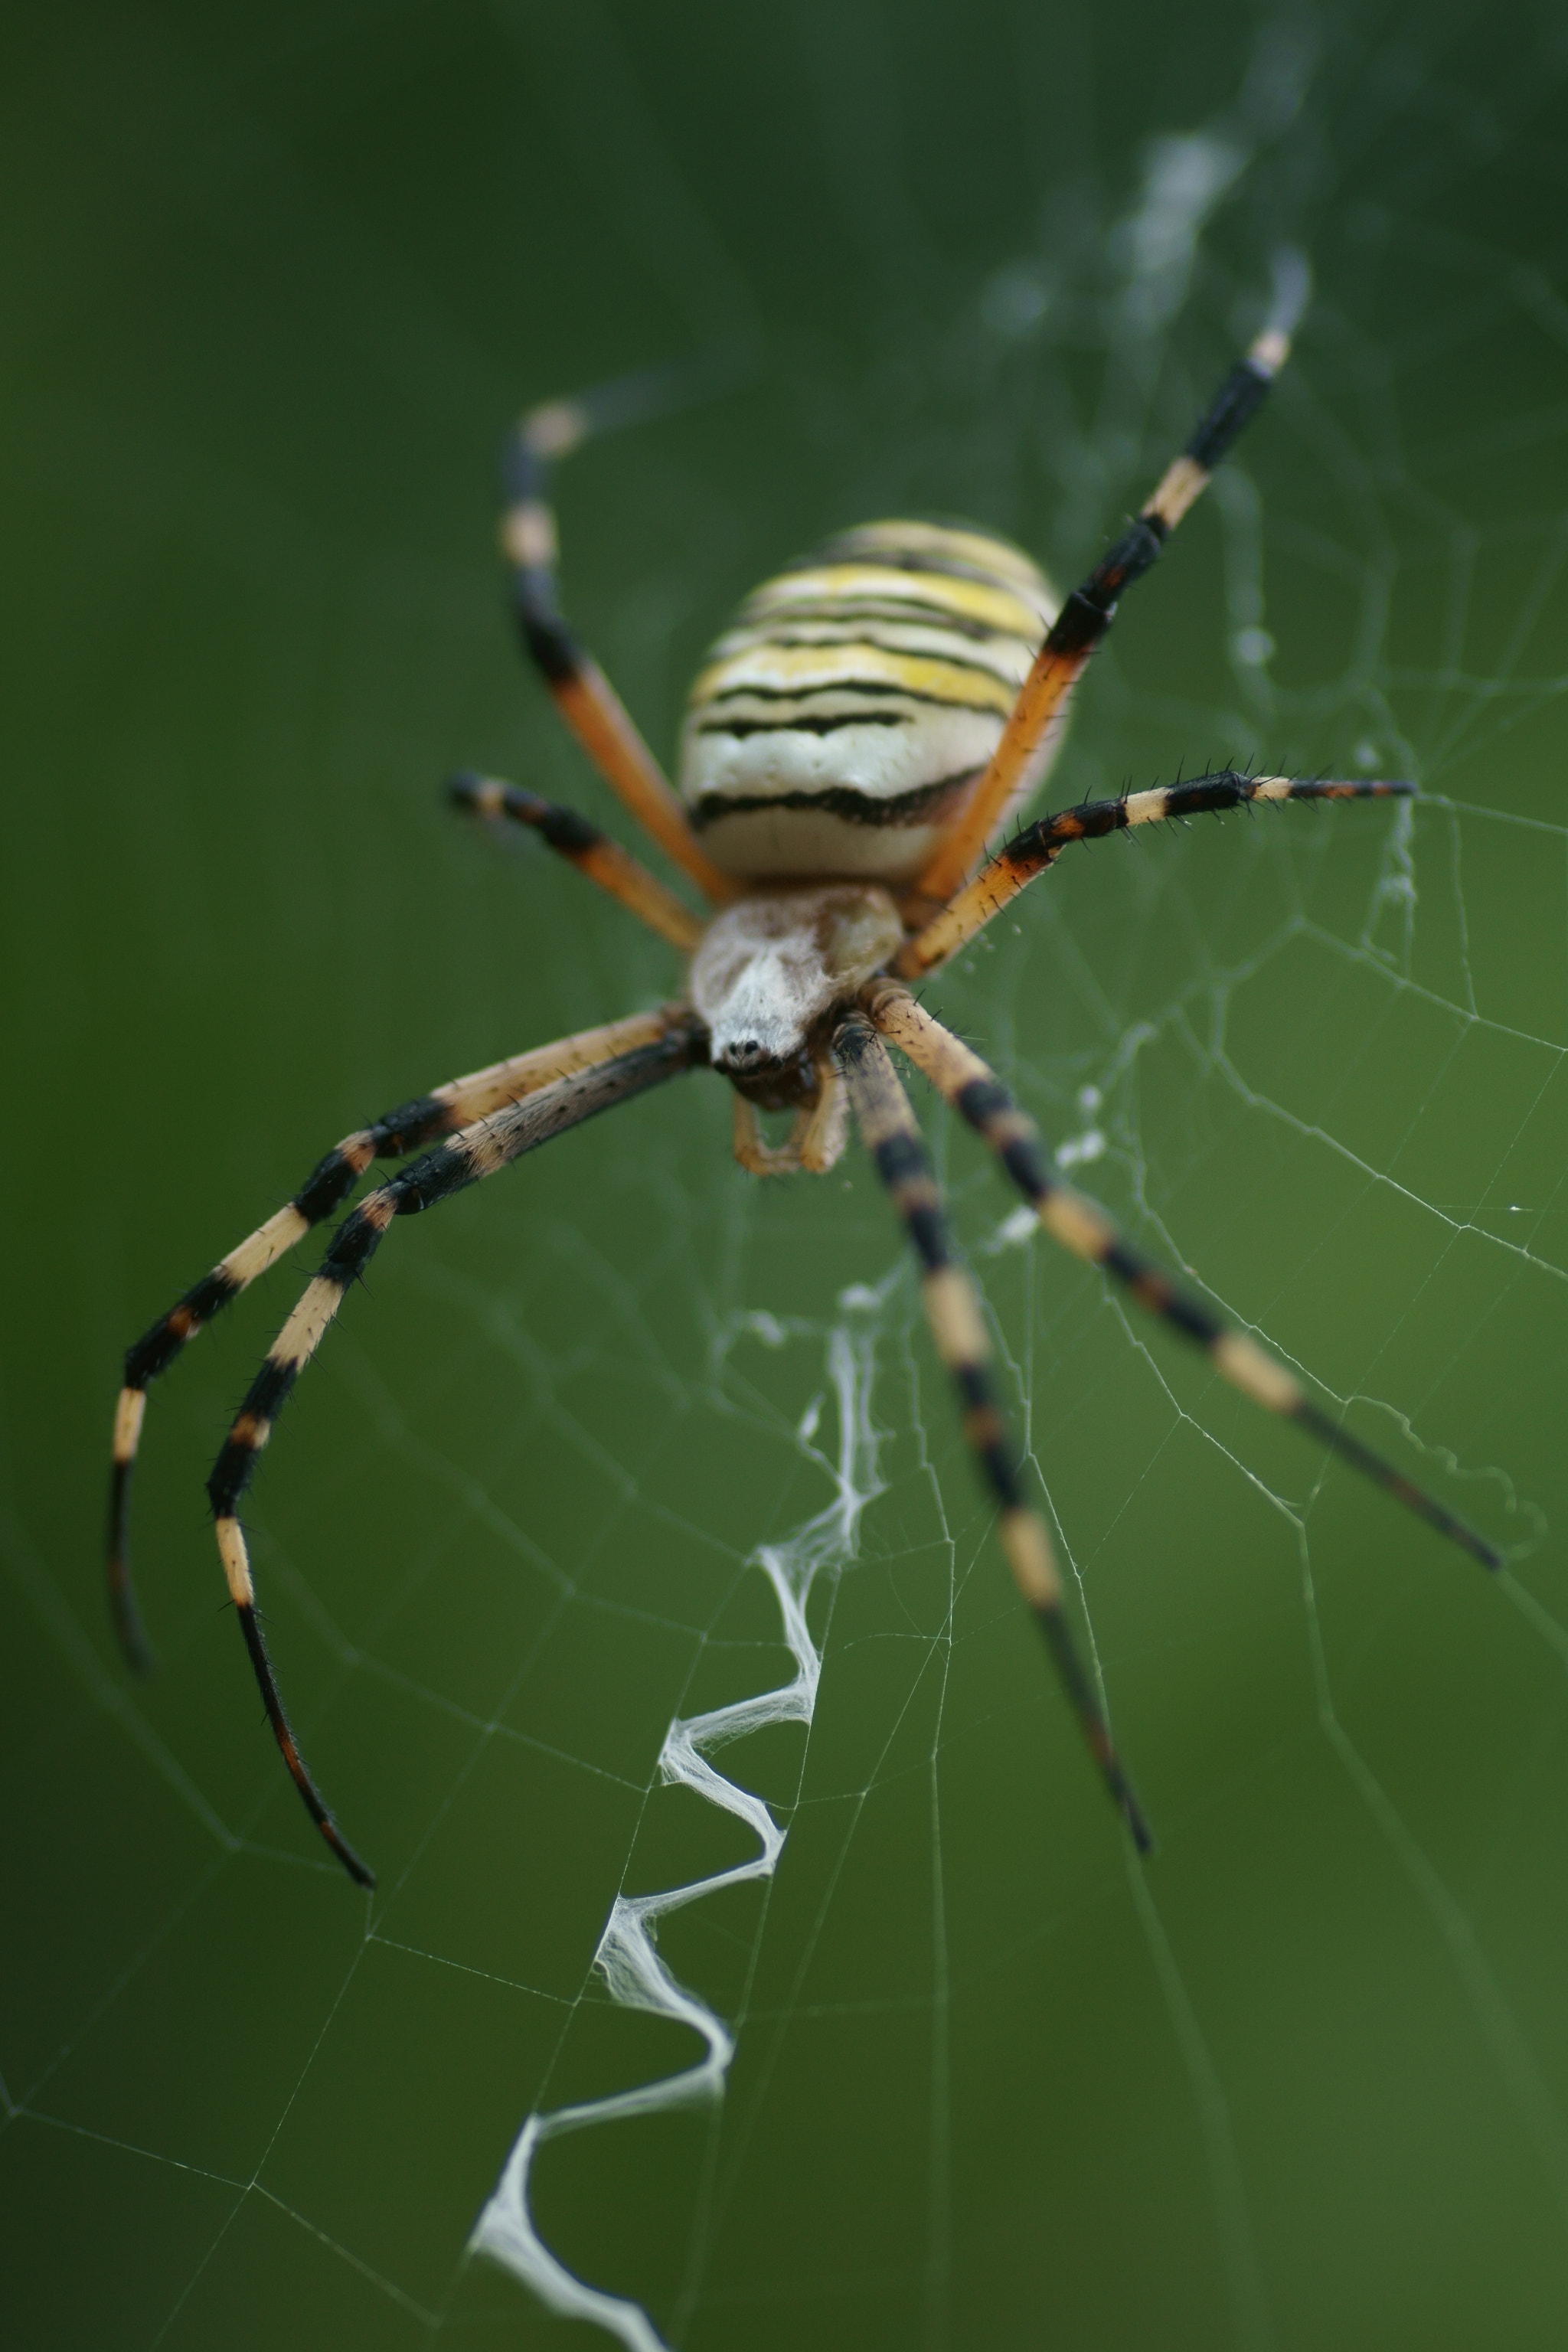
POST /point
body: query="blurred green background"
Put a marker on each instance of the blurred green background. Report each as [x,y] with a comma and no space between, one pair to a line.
[273,283]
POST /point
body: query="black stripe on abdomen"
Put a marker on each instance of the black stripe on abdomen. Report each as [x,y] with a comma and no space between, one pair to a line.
[916,807]
[801,725]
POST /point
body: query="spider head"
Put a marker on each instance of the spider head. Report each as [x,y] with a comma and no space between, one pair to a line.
[771,967]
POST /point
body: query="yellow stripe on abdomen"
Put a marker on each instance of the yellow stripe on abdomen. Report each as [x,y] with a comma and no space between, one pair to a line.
[799,671]
[989,605]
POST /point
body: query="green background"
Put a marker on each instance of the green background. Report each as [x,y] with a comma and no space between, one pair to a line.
[272,283]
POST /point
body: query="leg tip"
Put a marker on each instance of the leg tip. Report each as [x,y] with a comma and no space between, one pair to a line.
[360,1872]
[1143,1835]
[139,1655]
[134,1647]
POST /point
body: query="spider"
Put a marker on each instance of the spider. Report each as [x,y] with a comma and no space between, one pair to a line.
[873,716]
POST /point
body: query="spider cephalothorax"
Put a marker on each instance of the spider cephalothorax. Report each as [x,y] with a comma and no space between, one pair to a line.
[771,967]
[868,721]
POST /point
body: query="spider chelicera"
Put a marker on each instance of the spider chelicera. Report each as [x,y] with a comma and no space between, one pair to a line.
[873,717]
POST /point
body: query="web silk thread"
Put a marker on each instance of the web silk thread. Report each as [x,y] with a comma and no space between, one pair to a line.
[626,1958]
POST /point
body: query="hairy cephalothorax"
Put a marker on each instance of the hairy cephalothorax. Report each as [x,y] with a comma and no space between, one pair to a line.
[872,718]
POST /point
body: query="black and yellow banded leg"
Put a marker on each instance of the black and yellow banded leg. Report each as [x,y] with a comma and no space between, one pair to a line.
[891,1133]
[476,1152]
[1081,627]
[329,1184]
[1082,1226]
[583,845]
[581,693]
[1039,845]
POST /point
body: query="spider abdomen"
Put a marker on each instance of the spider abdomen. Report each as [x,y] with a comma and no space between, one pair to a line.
[839,724]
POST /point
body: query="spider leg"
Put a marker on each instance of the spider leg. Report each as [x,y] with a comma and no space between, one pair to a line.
[889,1128]
[1081,625]
[1039,845]
[476,1151]
[583,694]
[593,853]
[1082,1226]
[329,1184]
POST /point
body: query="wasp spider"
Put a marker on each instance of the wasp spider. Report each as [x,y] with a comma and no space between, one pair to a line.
[872,719]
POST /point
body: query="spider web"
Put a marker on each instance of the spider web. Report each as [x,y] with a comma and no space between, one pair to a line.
[753,1953]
